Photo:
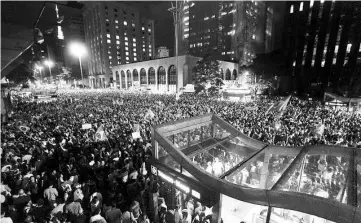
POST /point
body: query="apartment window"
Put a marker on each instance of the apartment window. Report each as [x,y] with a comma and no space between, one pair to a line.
[253,36]
[348,49]
[143,50]
[186,35]
[311,3]
[110,57]
[322,1]
[291,9]
[118,42]
[125,23]
[135,59]
[143,28]
[126,38]
[126,43]
[127,53]
[206,18]
[134,44]
[301,6]
[135,54]
[117,27]
[126,48]
[213,16]
[108,35]
[116,21]
[149,30]
[134,40]
[108,41]
[117,37]
[127,58]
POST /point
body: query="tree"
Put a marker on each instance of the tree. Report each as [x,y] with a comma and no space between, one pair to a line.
[266,67]
[22,74]
[207,76]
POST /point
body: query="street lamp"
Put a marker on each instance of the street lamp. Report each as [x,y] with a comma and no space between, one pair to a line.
[78,49]
[39,68]
[50,64]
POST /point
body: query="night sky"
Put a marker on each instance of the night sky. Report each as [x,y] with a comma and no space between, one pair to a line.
[25,13]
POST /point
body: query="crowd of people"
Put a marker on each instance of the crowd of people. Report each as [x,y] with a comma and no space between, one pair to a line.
[54,170]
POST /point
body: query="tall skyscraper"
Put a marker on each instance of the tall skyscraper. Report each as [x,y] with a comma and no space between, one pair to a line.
[321,39]
[231,30]
[115,33]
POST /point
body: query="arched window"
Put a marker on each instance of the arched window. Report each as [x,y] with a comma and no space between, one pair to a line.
[117,78]
[161,75]
[129,78]
[234,75]
[143,76]
[228,75]
[123,78]
[172,75]
[151,76]
[135,75]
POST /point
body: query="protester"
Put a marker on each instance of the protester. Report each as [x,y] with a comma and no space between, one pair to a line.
[97,173]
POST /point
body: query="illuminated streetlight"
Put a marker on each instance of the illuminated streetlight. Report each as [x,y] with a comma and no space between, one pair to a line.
[78,49]
[50,64]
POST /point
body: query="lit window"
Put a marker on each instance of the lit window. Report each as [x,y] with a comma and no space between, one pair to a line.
[110,57]
[127,58]
[311,3]
[108,35]
[253,36]
[334,61]
[133,24]
[126,48]
[134,44]
[126,38]
[348,49]
[126,43]
[108,41]
[127,53]
[186,24]
[134,39]
[301,7]
[118,42]
[186,29]
[322,1]
[206,18]
[224,13]
[143,50]
[117,27]
[213,16]
[117,37]
[149,30]
[323,63]
[116,21]
[185,19]
[143,28]
[125,23]
[150,54]
[135,54]
[135,59]
[186,35]
[291,9]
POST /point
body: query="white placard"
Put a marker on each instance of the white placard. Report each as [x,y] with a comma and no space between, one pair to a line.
[86,126]
[136,135]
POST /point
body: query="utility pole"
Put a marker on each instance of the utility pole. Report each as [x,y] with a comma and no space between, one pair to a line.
[176,14]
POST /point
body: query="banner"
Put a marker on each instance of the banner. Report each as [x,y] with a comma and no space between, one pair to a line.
[100,134]
[136,135]
[86,126]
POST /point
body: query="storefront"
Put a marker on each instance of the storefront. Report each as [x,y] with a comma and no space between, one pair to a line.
[252,181]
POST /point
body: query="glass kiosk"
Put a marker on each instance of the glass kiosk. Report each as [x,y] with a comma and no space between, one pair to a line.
[242,179]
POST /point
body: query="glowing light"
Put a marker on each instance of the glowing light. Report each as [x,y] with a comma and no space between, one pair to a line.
[196,194]
[182,186]
[60,33]
[165,177]
[77,49]
[49,63]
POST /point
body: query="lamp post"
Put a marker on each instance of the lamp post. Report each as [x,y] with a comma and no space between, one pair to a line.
[49,63]
[78,49]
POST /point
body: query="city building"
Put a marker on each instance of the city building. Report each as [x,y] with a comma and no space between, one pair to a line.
[322,39]
[74,32]
[162,52]
[160,75]
[257,25]
[115,34]
[232,31]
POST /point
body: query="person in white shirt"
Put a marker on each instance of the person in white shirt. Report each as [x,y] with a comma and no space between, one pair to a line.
[4,219]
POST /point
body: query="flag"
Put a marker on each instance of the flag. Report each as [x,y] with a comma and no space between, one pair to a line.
[24,128]
[149,114]
[279,106]
[100,134]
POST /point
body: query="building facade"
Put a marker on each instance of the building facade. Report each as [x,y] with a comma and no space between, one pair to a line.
[230,30]
[161,75]
[162,52]
[115,34]
[322,39]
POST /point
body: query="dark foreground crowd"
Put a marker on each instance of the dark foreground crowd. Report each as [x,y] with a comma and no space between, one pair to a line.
[54,171]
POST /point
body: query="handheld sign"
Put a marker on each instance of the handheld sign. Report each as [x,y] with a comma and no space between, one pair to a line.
[136,135]
[86,126]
